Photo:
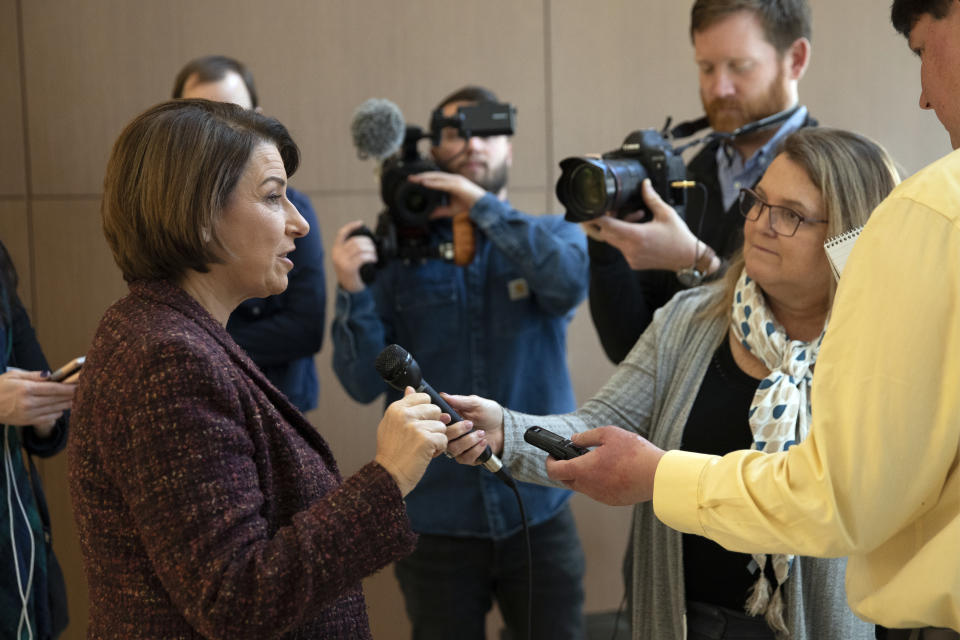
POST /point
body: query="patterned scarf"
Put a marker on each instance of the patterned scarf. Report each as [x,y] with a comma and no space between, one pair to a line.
[779,416]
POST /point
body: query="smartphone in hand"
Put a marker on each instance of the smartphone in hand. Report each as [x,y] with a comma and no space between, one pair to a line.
[67,370]
[557,446]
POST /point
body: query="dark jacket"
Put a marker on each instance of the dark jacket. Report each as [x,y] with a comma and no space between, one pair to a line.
[47,604]
[207,506]
[622,301]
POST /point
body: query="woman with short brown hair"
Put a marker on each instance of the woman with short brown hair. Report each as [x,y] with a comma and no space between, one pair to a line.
[207,506]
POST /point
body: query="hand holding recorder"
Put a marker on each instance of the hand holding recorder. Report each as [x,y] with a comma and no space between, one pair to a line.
[557,446]
[617,469]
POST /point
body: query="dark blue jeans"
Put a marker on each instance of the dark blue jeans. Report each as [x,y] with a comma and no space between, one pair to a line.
[449,583]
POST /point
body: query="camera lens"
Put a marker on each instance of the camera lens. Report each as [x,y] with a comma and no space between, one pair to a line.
[412,204]
[589,189]
[414,200]
[584,188]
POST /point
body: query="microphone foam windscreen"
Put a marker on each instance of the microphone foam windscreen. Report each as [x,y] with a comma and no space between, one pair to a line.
[377,128]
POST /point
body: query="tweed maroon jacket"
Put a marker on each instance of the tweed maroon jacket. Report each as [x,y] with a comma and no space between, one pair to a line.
[207,506]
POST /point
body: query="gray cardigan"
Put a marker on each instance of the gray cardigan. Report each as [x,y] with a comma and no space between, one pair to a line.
[651,393]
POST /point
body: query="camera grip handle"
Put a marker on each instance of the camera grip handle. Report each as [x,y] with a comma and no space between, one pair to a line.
[368,270]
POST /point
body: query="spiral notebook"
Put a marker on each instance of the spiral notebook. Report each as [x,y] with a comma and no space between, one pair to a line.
[838,248]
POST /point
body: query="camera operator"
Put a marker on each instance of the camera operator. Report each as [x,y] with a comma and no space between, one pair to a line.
[751,55]
[492,327]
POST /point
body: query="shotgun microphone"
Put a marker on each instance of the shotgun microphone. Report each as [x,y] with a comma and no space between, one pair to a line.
[377,129]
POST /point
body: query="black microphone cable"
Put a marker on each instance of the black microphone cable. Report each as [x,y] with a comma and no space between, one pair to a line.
[510,482]
[398,368]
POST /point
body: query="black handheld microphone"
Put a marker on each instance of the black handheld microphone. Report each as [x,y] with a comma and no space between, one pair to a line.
[400,370]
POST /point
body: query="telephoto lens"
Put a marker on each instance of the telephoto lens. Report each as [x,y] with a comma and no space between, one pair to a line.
[590,187]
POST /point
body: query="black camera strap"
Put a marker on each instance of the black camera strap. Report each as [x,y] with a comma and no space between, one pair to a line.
[685,129]
[689,128]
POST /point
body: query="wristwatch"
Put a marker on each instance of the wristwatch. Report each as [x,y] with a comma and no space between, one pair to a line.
[690,276]
[693,275]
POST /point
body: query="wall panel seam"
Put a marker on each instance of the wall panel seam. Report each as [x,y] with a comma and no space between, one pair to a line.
[27,170]
[548,101]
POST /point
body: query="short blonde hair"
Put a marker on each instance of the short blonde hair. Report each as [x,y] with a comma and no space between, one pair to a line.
[169,177]
[853,173]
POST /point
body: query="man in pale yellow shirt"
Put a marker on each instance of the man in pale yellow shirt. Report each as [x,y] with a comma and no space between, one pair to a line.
[878,478]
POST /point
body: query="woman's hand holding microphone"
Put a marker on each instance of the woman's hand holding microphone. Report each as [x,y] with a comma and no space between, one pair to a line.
[411,434]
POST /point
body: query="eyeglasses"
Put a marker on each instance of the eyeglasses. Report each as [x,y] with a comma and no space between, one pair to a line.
[784,221]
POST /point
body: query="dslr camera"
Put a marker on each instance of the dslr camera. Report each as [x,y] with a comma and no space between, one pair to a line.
[589,186]
[403,229]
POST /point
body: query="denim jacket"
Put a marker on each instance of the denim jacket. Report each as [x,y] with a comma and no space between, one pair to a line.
[496,328]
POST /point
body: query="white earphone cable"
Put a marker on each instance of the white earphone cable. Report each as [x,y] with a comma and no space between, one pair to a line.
[11,483]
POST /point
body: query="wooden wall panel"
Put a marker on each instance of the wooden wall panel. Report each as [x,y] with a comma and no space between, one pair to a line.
[14,234]
[603,532]
[617,66]
[76,276]
[388,618]
[411,53]
[92,66]
[864,77]
[12,175]
[314,63]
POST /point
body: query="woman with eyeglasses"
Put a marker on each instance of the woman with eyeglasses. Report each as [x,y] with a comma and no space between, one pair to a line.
[724,367]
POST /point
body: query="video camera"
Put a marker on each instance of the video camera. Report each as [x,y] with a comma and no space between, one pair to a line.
[402,229]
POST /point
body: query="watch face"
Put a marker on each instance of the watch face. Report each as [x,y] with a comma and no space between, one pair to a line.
[690,277]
